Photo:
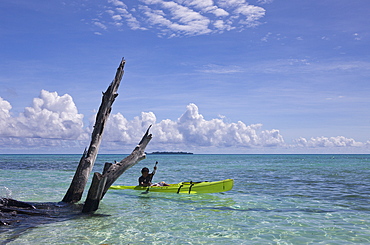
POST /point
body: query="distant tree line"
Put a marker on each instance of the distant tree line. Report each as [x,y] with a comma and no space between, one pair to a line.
[170,152]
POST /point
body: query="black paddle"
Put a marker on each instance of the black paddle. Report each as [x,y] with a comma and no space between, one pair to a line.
[151,178]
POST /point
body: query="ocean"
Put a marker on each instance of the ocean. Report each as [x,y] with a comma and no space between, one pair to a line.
[276,199]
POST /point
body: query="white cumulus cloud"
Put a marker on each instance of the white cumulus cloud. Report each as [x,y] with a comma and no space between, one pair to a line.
[53,122]
[338,141]
[49,117]
[191,130]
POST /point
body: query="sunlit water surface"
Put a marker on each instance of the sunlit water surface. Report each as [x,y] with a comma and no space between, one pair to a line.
[276,199]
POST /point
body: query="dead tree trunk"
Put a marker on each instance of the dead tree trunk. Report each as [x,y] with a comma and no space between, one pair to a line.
[88,158]
[101,182]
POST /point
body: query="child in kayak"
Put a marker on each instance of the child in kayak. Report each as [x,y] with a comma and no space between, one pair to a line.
[146,178]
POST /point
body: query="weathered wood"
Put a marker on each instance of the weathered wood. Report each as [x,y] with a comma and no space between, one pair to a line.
[18,217]
[88,158]
[138,154]
[113,173]
[95,193]
[106,167]
[4,202]
[12,211]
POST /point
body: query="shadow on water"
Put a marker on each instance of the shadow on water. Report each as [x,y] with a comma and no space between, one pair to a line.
[16,218]
[198,199]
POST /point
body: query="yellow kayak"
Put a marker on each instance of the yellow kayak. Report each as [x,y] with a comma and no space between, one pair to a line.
[185,187]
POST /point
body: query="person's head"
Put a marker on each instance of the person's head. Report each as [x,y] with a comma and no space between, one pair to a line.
[145,171]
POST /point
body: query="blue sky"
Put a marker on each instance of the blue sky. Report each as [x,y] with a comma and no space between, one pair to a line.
[228,76]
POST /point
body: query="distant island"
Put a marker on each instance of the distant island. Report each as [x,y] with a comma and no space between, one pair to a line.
[170,152]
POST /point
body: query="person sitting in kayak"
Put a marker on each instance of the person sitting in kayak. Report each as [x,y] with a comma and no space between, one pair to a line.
[146,178]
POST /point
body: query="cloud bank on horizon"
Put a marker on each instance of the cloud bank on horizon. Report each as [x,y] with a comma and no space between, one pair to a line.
[53,122]
[181,17]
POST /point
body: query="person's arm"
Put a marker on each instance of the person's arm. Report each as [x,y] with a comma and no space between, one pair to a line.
[153,173]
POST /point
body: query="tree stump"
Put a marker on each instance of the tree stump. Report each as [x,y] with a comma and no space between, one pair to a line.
[88,158]
[101,182]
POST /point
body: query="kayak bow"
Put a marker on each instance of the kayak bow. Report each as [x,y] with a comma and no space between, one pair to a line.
[185,187]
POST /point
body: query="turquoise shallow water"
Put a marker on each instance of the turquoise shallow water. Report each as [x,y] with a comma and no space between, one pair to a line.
[276,199]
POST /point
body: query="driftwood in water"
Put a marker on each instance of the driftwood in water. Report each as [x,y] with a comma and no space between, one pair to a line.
[101,182]
[87,160]
[10,211]
[14,212]
[17,217]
